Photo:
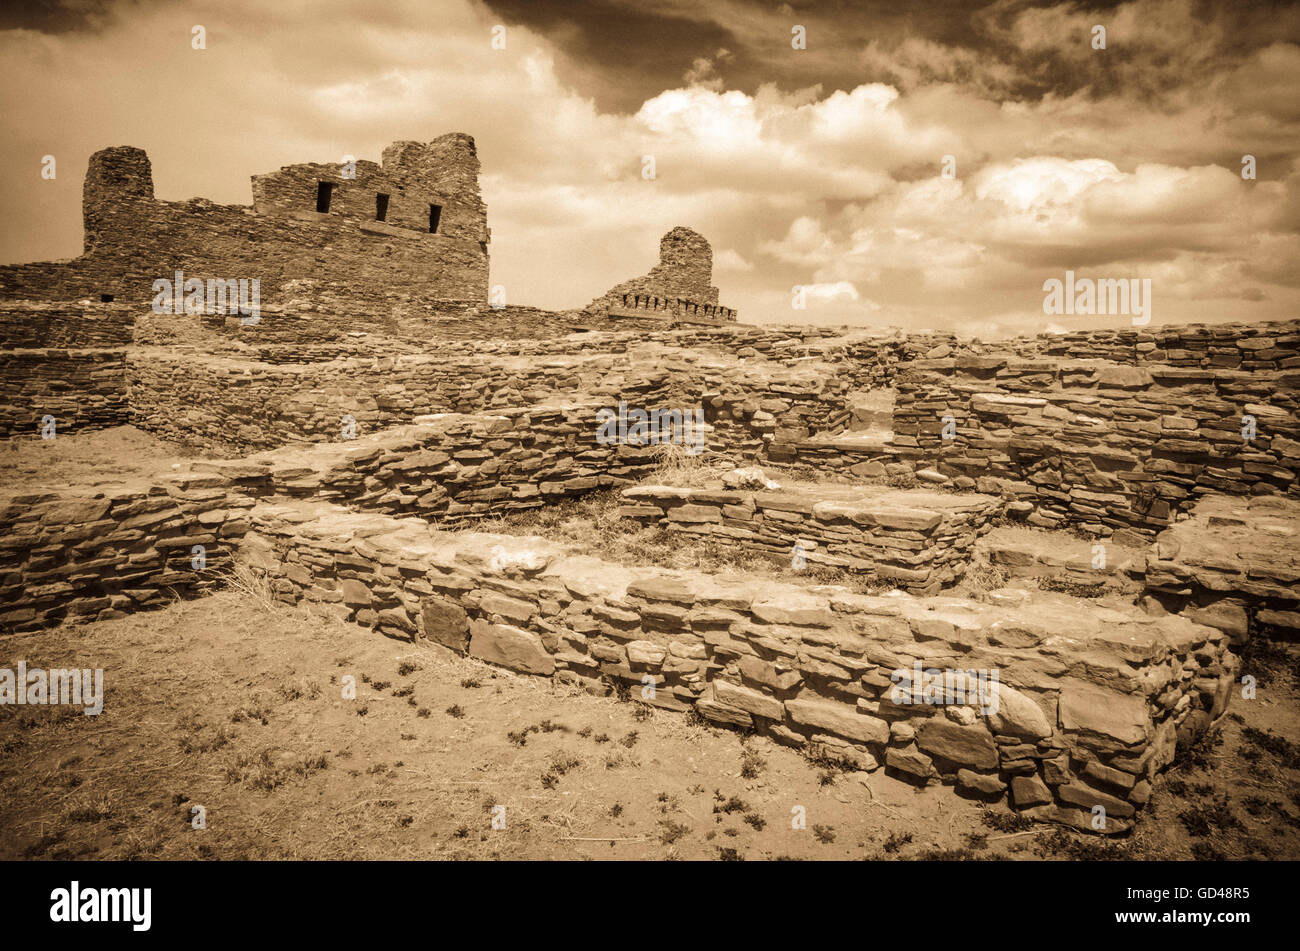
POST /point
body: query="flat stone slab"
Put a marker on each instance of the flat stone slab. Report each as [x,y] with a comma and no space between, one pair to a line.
[866,503]
[1243,547]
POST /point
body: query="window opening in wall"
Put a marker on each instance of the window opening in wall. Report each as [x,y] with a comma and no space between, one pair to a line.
[435,215]
[323,192]
[106,298]
[381,207]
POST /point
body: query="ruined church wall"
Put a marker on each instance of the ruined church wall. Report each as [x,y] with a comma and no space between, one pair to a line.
[132,239]
[684,271]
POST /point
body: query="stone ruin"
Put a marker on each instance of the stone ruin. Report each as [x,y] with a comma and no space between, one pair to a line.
[412,229]
[677,288]
[352,467]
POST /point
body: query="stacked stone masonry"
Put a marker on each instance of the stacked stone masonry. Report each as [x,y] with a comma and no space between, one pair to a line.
[684,274]
[96,555]
[64,363]
[1232,564]
[133,239]
[1090,704]
[449,468]
[920,542]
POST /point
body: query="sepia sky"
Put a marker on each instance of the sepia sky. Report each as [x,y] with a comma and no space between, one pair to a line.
[817,167]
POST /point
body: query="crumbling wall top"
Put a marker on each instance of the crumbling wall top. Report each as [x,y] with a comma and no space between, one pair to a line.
[684,272]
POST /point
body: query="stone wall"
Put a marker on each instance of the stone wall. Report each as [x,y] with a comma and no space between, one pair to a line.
[1232,564]
[449,468]
[920,541]
[132,239]
[96,555]
[1090,704]
[64,325]
[672,310]
[1101,446]
[81,389]
[232,406]
[1105,447]
[685,270]
[1268,346]
[63,360]
[235,405]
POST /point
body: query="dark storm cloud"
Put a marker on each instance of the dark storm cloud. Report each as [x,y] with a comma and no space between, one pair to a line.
[621,53]
[57,16]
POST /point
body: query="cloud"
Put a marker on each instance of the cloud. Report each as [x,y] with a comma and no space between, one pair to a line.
[730,260]
[821,293]
[821,170]
[703,71]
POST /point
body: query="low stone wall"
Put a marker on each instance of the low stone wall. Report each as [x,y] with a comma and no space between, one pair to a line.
[103,554]
[64,360]
[921,541]
[449,468]
[81,389]
[238,405]
[1233,565]
[1090,702]
[1102,447]
[1267,346]
[232,406]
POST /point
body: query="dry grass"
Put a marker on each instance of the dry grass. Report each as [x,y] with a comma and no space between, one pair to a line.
[980,577]
[676,465]
[253,584]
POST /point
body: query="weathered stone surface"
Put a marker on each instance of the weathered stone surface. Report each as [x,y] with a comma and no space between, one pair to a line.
[911,761]
[1121,717]
[646,653]
[355,594]
[510,647]
[1080,795]
[1018,715]
[510,609]
[839,719]
[970,746]
[794,608]
[980,784]
[445,622]
[712,709]
[751,701]
[1029,791]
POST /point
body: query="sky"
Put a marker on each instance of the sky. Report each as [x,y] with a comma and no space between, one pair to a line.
[914,165]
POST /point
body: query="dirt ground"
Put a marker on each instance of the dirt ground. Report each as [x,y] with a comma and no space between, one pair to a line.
[102,457]
[236,705]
